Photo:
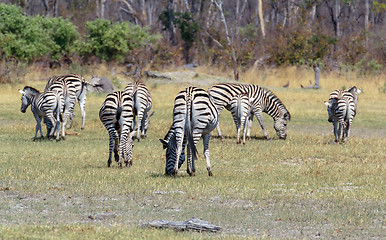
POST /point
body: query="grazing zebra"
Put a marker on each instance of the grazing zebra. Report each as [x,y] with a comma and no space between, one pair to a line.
[240,108]
[46,104]
[194,115]
[117,116]
[262,100]
[74,88]
[142,105]
[341,108]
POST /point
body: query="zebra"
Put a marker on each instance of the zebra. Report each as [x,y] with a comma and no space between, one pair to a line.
[194,116]
[240,108]
[341,108]
[46,104]
[262,100]
[142,105]
[117,116]
[74,88]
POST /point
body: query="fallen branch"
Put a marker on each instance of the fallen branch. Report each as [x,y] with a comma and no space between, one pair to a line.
[191,224]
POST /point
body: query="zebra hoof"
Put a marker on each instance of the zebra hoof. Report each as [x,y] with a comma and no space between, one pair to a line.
[210,172]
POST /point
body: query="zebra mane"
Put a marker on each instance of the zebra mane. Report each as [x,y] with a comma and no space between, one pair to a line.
[31,90]
[277,102]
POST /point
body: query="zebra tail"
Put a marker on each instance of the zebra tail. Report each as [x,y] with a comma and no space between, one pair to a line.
[189,131]
[239,112]
[59,107]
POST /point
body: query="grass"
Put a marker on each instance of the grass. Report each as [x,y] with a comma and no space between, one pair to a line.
[303,187]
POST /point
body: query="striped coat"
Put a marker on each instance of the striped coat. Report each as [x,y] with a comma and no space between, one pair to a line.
[117,115]
[43,105]
[194,116]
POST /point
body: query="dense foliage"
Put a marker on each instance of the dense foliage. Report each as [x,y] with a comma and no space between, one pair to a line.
[27,38]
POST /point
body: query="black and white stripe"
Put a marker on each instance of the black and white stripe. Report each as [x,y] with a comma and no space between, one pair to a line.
[194,116]
[262,100]
[240,107]
[142,105]
[117,116]
[74,88]
[46,104]
[341,108]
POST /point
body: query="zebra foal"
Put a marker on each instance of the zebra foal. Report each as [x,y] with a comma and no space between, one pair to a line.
[117,116]
[194,116]
[43,105]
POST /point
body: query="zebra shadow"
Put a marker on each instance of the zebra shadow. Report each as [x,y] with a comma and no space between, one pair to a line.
[181,174]
[234,137]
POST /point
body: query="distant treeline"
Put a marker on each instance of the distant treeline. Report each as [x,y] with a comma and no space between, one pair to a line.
[234,34]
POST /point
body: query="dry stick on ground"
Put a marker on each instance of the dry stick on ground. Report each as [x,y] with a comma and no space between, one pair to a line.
[191,224]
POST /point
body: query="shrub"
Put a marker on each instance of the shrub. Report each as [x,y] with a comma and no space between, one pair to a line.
[115,41]
[27,38]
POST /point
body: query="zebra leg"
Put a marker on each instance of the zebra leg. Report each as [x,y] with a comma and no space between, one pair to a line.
[53,128]
[244,123]
[70,119]
[219,131]
[116,144]
[112,145]
[249,126]
[38,127]
[259,117]
[82,105]
[206,154]
[335,123]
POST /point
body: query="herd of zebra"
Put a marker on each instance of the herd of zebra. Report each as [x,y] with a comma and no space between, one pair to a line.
[196,113]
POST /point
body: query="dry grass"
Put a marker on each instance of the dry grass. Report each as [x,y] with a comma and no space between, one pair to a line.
[304,187]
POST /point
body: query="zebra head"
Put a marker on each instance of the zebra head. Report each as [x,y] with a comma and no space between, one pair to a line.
[146,125]
[27,95]
[169,143]
[331,106]
[280,125]
[127,149]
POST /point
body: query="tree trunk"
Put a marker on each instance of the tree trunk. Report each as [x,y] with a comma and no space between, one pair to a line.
[229,40]
[260,7]
[367,12]
[171,27]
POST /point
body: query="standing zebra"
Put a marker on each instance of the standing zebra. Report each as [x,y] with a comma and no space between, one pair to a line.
[262,100]
[117,116]
[44,104]
[74,88]
[341,108]
[240,108]
[194,115]
[142,105]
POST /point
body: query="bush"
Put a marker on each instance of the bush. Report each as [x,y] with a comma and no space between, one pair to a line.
[299,47]
[27,38]
[109,41]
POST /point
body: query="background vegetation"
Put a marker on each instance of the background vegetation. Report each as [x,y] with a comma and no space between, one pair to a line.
[240,35]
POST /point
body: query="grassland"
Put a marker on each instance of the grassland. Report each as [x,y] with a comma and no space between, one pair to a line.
[303,187]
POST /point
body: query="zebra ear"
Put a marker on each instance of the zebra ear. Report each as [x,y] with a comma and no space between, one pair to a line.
[287,116]
[164,143]
[327,103]
[359,90]
[21,91]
